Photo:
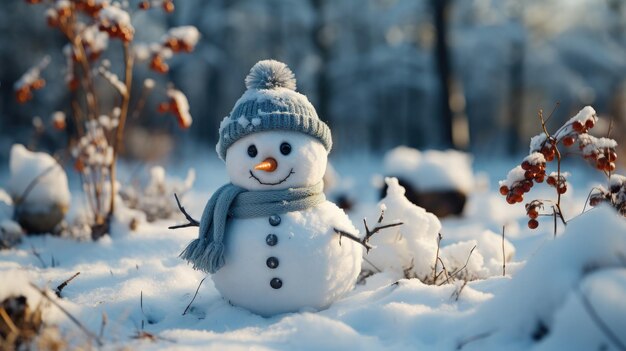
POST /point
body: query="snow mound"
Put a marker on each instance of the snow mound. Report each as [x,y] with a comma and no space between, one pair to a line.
[485,260]
[410,247]
[51,187]
[562,292]
[432,169]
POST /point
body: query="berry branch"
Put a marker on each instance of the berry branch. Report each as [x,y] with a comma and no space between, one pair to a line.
[544,149]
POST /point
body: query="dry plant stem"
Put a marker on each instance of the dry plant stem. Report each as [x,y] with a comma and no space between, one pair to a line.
[439,237]
[558,164]
[36,253]
[444,271]
[117,144]
[460,269]
[601,324]
[8,321]
[371,264]
[77,115]
[145,92]
[102,325]
[69,315]
[62,286]
[192,222]
[457,293]
[67,27]
[503,255]
[194,296]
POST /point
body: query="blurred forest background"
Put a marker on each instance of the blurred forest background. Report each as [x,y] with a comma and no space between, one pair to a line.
[469,74]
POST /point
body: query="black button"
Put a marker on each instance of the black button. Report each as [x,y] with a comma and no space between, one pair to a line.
[271,239]
[272,262]
[276,283]
[274,220]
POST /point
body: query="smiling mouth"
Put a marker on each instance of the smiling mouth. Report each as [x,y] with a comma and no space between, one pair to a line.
[279,182]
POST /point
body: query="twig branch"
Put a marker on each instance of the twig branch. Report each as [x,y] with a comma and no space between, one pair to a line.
[368,233]
[69,315]
[194,296]
[192,221]
[62,286]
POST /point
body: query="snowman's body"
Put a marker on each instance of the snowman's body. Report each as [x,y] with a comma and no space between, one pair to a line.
[284,265]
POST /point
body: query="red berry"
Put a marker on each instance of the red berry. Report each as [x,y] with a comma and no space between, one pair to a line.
[504,190]
[610,167]
[551,180]
[144,5]
[532,213]
[533,224]
[526,165]
[163,107]
[590,123]
[578,127]
[562,189]
[510,199]
[529,175]
[612,156]
[568,140]
[168,6]
[540,177]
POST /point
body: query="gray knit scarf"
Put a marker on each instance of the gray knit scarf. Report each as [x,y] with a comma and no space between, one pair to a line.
[230,201]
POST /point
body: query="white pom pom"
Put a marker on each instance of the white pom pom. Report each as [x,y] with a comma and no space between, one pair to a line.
[270,74]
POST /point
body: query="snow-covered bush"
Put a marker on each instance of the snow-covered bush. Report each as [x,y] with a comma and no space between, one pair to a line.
[39,189]
[89,27]
[436,180]
[155,199]
[409,249]
[544,148]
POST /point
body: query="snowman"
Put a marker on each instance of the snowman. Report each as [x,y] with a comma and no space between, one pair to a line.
[269,238]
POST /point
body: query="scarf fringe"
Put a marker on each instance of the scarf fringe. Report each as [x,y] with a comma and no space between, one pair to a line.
[207,258]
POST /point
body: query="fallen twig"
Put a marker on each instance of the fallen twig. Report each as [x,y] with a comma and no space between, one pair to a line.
[194,296]
[62,286]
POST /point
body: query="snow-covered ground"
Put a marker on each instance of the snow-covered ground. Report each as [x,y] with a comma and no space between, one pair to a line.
[566,293]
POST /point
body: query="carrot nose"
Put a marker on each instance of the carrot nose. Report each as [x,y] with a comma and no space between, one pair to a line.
[268,165]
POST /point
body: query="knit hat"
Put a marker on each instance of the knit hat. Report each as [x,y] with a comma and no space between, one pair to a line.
[271,103]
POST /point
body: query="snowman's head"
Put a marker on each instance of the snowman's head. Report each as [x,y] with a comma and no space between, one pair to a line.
[275,160]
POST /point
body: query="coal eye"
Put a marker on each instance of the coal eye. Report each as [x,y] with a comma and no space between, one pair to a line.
[285,149]
[252,151]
